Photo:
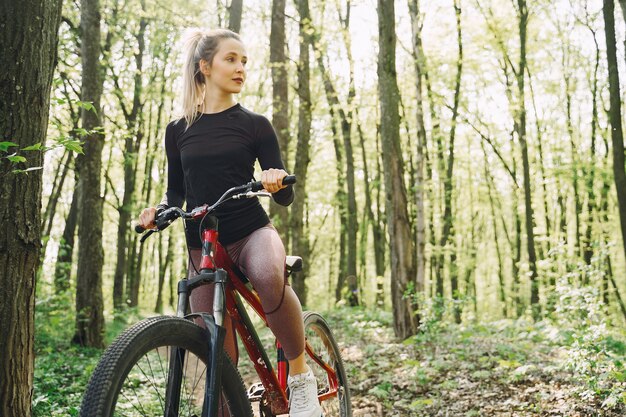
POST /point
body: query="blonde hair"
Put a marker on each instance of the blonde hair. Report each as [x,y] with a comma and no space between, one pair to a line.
[198,44]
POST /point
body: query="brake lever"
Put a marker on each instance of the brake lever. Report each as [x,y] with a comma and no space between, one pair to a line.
[146,235]
[251,194]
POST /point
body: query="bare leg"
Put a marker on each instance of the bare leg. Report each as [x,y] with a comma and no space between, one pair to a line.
[261,256]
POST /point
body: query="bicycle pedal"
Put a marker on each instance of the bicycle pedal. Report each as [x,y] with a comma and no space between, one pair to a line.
[255,392]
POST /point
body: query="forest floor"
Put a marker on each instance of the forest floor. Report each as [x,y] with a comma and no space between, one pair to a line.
[497,369]
[504,368]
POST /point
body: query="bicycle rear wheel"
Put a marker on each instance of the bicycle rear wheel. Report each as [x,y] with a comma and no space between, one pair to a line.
[334,392]
[132,376]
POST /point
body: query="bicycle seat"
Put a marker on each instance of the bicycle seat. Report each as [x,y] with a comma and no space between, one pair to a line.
[294,263]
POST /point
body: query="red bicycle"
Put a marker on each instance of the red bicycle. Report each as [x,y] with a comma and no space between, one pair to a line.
[169,366]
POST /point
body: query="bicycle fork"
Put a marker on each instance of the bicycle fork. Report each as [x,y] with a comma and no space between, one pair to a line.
[215,339]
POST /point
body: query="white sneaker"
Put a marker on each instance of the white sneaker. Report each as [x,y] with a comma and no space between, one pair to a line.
[303,400]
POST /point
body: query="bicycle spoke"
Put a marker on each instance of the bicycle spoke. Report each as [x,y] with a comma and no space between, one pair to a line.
[151,379]
[142,411]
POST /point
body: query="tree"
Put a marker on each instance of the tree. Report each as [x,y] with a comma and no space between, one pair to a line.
[401,244]
[420,233]
[234,15]
[615,115]
[89,304]
[300,242]
[280,107]
[520,130]
[29,34]
[133,115]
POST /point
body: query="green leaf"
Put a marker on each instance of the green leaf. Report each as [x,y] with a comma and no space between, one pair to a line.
[35,147]
[74,146]
[4,146]
[16,158]
[81,132]
[87,105]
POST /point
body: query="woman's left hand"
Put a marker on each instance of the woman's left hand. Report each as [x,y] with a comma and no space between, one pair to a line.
[272,179]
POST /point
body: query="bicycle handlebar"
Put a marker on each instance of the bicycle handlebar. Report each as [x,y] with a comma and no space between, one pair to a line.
[167,216]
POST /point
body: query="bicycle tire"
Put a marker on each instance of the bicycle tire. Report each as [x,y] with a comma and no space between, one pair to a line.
[149,342]
[319,336]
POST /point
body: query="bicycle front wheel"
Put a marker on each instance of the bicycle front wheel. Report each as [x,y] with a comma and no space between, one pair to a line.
[327,365]
[159,367]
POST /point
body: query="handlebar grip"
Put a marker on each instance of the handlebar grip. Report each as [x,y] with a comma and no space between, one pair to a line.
[139,229]
[258,185]
[289,180]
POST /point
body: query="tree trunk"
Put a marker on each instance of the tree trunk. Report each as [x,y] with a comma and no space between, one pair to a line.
[494,225]
[590,175]
[448,231]
[573,148]
[342,208]
[280,108]
[420,240]
[89,303]
[29,37]
[63,266]
[164,264]
[516,249]
[347,199]
[520,129]
[377,232]
[346,131]
[134,122]
[619,172]
[57,188]
[234,15]
[402,251]
[300,239]
[380,225]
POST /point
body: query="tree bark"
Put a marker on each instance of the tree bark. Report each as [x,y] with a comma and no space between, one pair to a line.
[234,15]
[280,107]
[89,303]
[346,114]
[494,225]
[591,173]
[402,251]
[617,138]
[134,122]
[420,238]
[29,34]
[447,244]
[347,194]
[63,266]
[520,129]
[377,231]
[300,239]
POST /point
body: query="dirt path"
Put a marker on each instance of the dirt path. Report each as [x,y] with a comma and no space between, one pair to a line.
[472,372]
[482,370]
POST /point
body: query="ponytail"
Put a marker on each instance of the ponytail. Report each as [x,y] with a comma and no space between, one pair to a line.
[198,44]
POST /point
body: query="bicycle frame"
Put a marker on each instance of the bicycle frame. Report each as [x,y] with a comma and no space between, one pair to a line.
[217,267]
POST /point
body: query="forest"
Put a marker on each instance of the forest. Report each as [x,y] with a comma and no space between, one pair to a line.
[460,203]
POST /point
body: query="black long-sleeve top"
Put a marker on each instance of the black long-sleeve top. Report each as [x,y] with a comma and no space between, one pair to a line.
[216,153]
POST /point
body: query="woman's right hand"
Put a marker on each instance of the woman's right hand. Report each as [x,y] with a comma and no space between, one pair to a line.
[146,218]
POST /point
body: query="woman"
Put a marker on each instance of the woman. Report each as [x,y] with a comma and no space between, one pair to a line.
[214,147]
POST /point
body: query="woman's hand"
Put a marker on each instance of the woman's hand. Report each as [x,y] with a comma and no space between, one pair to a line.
[272,179]
[146,218]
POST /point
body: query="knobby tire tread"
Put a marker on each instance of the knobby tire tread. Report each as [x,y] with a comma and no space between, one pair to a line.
[142,337]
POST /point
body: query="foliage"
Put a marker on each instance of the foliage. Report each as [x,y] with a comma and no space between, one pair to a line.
[595,353]
[61,369]
[19,156]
